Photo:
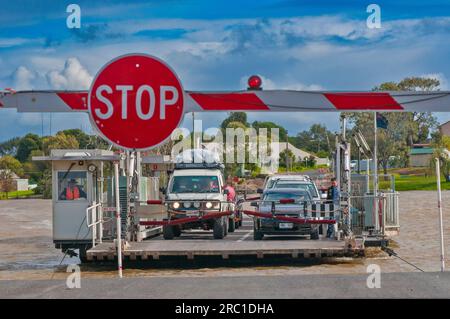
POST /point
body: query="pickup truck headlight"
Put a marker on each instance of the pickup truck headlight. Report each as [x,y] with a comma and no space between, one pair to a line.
[176,205]
[197,205]
[208,205]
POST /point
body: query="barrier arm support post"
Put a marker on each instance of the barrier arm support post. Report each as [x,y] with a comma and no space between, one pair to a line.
[118,221]
[441,226]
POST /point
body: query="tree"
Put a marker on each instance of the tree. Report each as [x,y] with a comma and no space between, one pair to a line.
[11,164]
[318,139]
[404,128]
[60,141]
[235,117]
[9,147]
[28,143]
[421,124]
[6,181]
[441,147]
[282,131]
[287,158]
[82,138]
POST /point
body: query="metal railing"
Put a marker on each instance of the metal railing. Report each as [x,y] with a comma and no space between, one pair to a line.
[363,211]
[94,217]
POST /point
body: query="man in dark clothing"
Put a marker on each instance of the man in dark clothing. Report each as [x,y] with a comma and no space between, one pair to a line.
[334,196]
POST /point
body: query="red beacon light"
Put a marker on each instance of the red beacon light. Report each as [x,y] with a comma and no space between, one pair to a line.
[254,83]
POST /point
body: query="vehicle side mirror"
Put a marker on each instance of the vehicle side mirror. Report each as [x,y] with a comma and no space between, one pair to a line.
[254,204]
[162,190]
[260,191]
[226,191]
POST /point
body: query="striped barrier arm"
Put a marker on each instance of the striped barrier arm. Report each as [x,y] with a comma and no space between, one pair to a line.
[264,101]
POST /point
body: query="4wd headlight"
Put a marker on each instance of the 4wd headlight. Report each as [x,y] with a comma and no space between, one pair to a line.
[212,205]
[176,205]
[187,204]
[197,205]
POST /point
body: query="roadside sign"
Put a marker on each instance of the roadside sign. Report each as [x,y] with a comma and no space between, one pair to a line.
[136,101]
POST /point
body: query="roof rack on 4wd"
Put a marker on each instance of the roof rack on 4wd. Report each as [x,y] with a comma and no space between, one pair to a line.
[198,158]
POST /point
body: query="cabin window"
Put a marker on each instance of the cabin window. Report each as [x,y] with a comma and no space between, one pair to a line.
[72,185]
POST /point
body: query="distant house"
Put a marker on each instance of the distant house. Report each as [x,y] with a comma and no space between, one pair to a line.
[19,184]
[445,128]
[300,155]
[420,155]
[272,165]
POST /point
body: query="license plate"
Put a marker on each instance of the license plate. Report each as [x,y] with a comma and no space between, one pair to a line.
[286,225]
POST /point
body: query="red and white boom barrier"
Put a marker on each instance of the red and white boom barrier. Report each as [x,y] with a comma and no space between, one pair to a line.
[262,101]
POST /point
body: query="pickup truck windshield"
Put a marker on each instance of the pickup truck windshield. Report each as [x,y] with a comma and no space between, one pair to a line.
[195,184]
[303,186]
[297,196]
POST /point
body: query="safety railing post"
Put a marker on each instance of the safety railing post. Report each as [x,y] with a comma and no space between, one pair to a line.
[118,221]
[94,222]
[441,227]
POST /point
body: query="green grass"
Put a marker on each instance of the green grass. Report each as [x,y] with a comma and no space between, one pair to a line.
[17,194]
[413,182]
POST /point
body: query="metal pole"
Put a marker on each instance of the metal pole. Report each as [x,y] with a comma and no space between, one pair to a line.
[441,227]
[368,173]
[101,200]
[375,172]
[359,161]
[287,159]
[118,221]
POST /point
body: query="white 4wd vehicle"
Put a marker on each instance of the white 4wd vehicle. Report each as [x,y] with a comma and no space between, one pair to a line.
[195,196]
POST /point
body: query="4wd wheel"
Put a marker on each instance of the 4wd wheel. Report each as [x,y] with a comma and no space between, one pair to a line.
[218,228]
[168,232]
[176,231]
[231,225]
[315,234]
[225,226]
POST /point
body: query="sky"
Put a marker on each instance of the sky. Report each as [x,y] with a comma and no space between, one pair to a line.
[217,45]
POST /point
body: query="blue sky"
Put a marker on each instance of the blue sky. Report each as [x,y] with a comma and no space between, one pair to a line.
[216,45]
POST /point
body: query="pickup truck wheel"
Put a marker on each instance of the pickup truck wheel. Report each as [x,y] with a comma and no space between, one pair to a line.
[315,234]
[257,234]
[218,229]
[231,225]
[168,232]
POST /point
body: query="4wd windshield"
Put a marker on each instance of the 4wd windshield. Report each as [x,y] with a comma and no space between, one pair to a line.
[309,187]
[194,184]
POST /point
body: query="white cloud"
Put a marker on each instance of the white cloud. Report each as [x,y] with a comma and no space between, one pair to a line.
[304,53]
[22,78]
[268,84]
[73,76]
[12,42]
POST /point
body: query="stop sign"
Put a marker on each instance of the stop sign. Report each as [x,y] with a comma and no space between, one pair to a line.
[136,101]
